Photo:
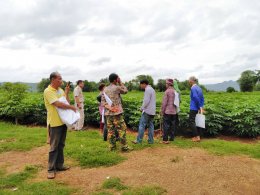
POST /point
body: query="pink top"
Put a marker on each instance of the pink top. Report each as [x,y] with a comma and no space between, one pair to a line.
[100,107]
[168,106]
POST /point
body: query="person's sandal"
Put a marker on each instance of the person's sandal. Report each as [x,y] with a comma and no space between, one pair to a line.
[64,168]
[127,149]
[51,175]
[164,142]
[134,142]
[195,139]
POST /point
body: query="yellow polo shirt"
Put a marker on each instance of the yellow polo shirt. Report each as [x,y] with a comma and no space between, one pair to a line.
[52,95]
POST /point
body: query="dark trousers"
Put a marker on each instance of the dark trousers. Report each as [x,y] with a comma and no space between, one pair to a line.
[57,144]
[169,126]
[196,131]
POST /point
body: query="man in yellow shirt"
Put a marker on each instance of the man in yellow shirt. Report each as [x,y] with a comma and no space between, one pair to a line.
[57,128]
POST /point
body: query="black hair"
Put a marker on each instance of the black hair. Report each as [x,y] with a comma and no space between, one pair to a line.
[101,86]
[144,81]
[53,75]
[112,77]
[79,81]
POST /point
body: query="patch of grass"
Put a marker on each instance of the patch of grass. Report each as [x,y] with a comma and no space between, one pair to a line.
[221,147]
[114,183]
[17,184]
[20,138]
[16,179]
[146,190]
[46,188]
[90,150]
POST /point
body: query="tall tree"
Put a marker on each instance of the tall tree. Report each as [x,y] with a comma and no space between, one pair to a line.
[148,77]
[247,80]
[105,81]
[90,86]
[161,85]
[184,85]
[43,84]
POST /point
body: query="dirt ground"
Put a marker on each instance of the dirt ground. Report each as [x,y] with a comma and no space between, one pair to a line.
[179,171]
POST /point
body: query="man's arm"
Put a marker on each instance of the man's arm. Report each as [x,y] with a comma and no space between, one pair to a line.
[106,105]
[146,100]
[201,103]
[164,103]
[67,90]
[77,102]
[195,97]
[122,88]
[61,105]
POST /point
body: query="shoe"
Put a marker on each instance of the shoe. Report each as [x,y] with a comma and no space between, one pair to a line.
[64,168]
[112,149]
[134,142]
[165,142]
[195,139]
[51,175]
[126,149]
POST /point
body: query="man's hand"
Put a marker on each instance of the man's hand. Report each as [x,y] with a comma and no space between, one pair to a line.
[74,108]
[201,111]
[114,109]
[79,105]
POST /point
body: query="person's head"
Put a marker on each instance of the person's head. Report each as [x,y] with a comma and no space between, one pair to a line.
[55,79]
[113,78]
[169,83]
[101,87]
[144,83]
[80,83]
[193,80]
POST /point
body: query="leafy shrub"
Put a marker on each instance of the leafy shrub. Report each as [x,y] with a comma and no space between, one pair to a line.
[232,113]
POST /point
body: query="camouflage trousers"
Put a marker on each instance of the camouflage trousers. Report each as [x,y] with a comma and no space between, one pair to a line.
[116,123]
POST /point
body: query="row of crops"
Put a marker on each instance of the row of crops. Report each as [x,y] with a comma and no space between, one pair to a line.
[234,113]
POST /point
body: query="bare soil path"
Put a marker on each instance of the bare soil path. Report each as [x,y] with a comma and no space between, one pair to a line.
[179,171]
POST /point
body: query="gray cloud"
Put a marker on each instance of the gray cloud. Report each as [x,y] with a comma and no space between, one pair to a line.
[55,27]
[100,61]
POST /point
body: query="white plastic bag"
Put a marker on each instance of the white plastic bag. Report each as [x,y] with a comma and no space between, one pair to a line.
[69,117]
[200,120]
[108,100]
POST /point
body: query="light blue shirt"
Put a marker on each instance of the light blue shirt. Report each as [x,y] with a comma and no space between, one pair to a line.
[149,101]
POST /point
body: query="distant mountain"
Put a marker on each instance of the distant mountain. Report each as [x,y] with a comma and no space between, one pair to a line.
[223,86]
[32,86]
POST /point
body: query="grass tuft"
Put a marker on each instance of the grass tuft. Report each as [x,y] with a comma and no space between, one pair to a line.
[114,183]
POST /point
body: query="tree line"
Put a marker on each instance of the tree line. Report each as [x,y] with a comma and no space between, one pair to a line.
[132,85]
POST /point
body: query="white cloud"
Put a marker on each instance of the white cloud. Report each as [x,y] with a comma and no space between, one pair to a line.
[214,40]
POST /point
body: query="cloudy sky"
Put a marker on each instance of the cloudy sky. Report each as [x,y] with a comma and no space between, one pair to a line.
[214,40]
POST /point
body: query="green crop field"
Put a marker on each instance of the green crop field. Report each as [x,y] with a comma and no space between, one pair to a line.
[229,113]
